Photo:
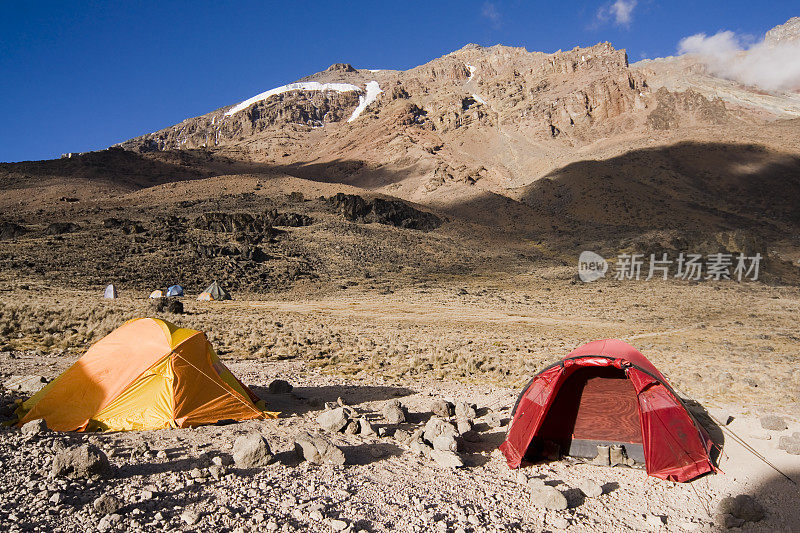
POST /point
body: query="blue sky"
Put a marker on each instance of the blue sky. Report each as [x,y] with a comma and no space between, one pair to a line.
[77,76]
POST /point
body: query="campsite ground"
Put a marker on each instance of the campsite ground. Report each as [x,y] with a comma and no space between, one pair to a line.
[729,346]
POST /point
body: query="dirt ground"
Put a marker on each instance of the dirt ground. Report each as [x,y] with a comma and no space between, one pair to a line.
[729,346]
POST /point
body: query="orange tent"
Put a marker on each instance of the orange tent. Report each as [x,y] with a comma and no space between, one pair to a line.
[146,374]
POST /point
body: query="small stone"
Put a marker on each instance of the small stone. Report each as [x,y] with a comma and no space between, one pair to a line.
[365,428]
[465,410]
[727,521]
[352,427]
[793,448]
[548,497]
[442,408]
[494,419]
[446,459]
[216,471]
[107,504]
[402,436]
[190,517]
[56,498]
[773,423]
[33,428]
[108,522]
[419,447]
[655,521]
[464,425]
[590,489]
[337,525]
[334,420]
[251,451]
[720,416]
[280,386]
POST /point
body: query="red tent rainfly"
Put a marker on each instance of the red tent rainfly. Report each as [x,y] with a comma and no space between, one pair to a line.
[606,392]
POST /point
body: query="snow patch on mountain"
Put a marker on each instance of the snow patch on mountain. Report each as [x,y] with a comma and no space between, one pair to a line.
[471,70]
[299,86]
[373,90]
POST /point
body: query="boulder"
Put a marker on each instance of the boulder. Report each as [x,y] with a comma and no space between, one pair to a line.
[437,427]
[107,504]
[773,423]
[280,386]
[419,447]
[446,459]
[251,451]
[464,425]
[318,450]
[365,428]
[445,443]
[34,428]
[109,522]
[393,412]
[548,497]
[742,507]
[334,420]
[442,408]
[190,517]
[590,489]
[29,384]
[465,410]
[494,419]
[85,461]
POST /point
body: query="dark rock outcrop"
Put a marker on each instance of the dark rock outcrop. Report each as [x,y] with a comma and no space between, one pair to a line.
[392,212]
[11,230]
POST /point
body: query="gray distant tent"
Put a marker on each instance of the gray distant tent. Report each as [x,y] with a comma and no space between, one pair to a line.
[110,292]
[214,292]
[175,290]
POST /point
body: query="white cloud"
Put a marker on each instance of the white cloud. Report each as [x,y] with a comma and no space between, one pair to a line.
[490,12]
[770,66]
[621,11]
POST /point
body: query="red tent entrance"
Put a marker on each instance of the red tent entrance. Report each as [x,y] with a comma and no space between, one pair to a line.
[595,405]
[606,392]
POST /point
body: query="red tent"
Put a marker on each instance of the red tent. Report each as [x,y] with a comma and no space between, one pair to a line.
[606,392]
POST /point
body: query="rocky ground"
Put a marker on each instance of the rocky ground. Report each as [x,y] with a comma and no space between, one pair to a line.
[377,448]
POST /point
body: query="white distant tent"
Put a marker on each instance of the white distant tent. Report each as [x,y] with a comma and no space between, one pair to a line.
[110,292]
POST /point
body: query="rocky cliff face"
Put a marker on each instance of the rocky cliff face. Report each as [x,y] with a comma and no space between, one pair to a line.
[478,119]
[563,94]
